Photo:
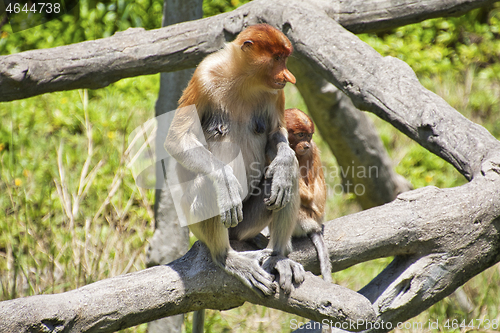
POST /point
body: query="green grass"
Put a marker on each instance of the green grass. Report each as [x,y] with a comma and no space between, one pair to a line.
[71,214]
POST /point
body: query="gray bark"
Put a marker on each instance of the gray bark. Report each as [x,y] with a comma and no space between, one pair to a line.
[389,88]
[440,238]
[365,168]
[190,283]
[96,64]
[359,16]
[170,241]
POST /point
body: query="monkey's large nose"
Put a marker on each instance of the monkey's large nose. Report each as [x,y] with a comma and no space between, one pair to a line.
[289,76]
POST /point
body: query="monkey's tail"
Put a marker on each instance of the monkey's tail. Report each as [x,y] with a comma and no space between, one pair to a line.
[323,255]
[198,321]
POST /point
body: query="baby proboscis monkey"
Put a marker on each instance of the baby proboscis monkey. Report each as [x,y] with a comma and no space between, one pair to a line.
[312,186]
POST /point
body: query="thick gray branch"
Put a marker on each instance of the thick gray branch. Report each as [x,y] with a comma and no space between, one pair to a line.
[190,283]
[440,237]
[423,221]
[96,64]
[360,16]
[389,88]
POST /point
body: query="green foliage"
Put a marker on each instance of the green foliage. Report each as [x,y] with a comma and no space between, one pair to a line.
[69,202]
[424,169]
[92,20]
[214,7]
[441,45]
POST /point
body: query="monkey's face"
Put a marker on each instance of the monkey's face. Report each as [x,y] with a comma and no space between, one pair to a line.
[279,74]
[300,131]
[272,71]
[266,50]
[300,142]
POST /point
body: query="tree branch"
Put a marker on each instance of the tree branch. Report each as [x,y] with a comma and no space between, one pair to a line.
[190,283]
[359,16]
[418,222]
[440,238]
[456,238]
[389,88]
[96,64]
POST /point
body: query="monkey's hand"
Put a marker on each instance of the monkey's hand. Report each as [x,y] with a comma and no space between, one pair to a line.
[229,192]
[283,170]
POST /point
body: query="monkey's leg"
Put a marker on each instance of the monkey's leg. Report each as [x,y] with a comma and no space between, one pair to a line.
[245,267]
[323,255]
[256,216]
[281,227]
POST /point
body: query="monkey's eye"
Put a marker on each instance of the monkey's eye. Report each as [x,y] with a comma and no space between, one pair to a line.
[277,58]
[246,44]
[300,135]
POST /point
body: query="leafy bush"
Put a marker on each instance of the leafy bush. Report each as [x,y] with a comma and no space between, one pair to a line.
[441,45]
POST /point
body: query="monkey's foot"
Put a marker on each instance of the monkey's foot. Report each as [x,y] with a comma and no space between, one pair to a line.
[288,270]
[246,267]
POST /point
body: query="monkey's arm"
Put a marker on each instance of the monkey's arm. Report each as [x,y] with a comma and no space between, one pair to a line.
[318,187]
[283,170]
[306,195]
[313,196]
[184,144]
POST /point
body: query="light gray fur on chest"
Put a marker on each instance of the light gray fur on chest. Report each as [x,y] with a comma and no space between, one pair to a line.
[227,138]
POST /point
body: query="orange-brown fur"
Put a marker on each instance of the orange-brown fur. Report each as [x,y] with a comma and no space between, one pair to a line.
[312,186]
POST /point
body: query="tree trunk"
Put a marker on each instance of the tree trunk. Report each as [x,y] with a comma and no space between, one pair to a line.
[170,240]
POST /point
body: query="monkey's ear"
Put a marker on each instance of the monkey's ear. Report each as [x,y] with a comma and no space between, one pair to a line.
[246,44]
